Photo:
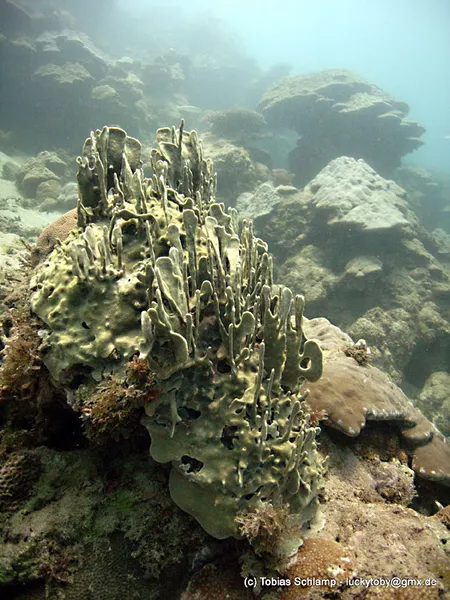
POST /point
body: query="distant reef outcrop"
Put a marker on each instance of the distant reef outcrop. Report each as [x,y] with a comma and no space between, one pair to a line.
[338,113]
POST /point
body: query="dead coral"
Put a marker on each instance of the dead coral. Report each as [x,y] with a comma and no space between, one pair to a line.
[393,481]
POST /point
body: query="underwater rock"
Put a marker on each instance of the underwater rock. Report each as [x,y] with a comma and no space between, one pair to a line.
[259,202]
[74,47]
[162,79]
[35,175]
[309,268]
[239,125]
[397,300]
[48,190]
[52,196]
[46,167]
[10,170]
[348,193]
[286,190]
[68,197]
[363,272]
[70,78]
[19,19]
[338,113]
[236,172]
[190,290]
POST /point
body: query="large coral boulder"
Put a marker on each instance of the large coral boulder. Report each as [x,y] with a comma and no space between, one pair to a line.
[348,193]
[337,112]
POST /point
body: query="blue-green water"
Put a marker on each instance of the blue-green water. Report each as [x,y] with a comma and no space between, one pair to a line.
[403,46]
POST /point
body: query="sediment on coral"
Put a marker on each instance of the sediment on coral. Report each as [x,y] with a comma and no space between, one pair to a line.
[159,267]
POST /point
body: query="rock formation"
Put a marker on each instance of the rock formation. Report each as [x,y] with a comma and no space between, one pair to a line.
[338,113]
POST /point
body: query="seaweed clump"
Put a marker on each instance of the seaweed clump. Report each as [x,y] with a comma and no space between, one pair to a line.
[114,408]
[21,363]
[265,528]
[32,409]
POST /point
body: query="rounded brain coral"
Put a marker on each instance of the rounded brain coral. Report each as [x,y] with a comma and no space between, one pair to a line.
[318,559]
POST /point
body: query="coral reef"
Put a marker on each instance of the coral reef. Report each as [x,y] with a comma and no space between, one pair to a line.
[67,72]
[351,243]
[366,536]
[101,518]
[337,113]
[46,168]
[237,172]
[94,525]
[183,284]
[236,124]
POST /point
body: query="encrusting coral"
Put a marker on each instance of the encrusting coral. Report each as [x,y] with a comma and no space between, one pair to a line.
[351,393]
[158,267]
